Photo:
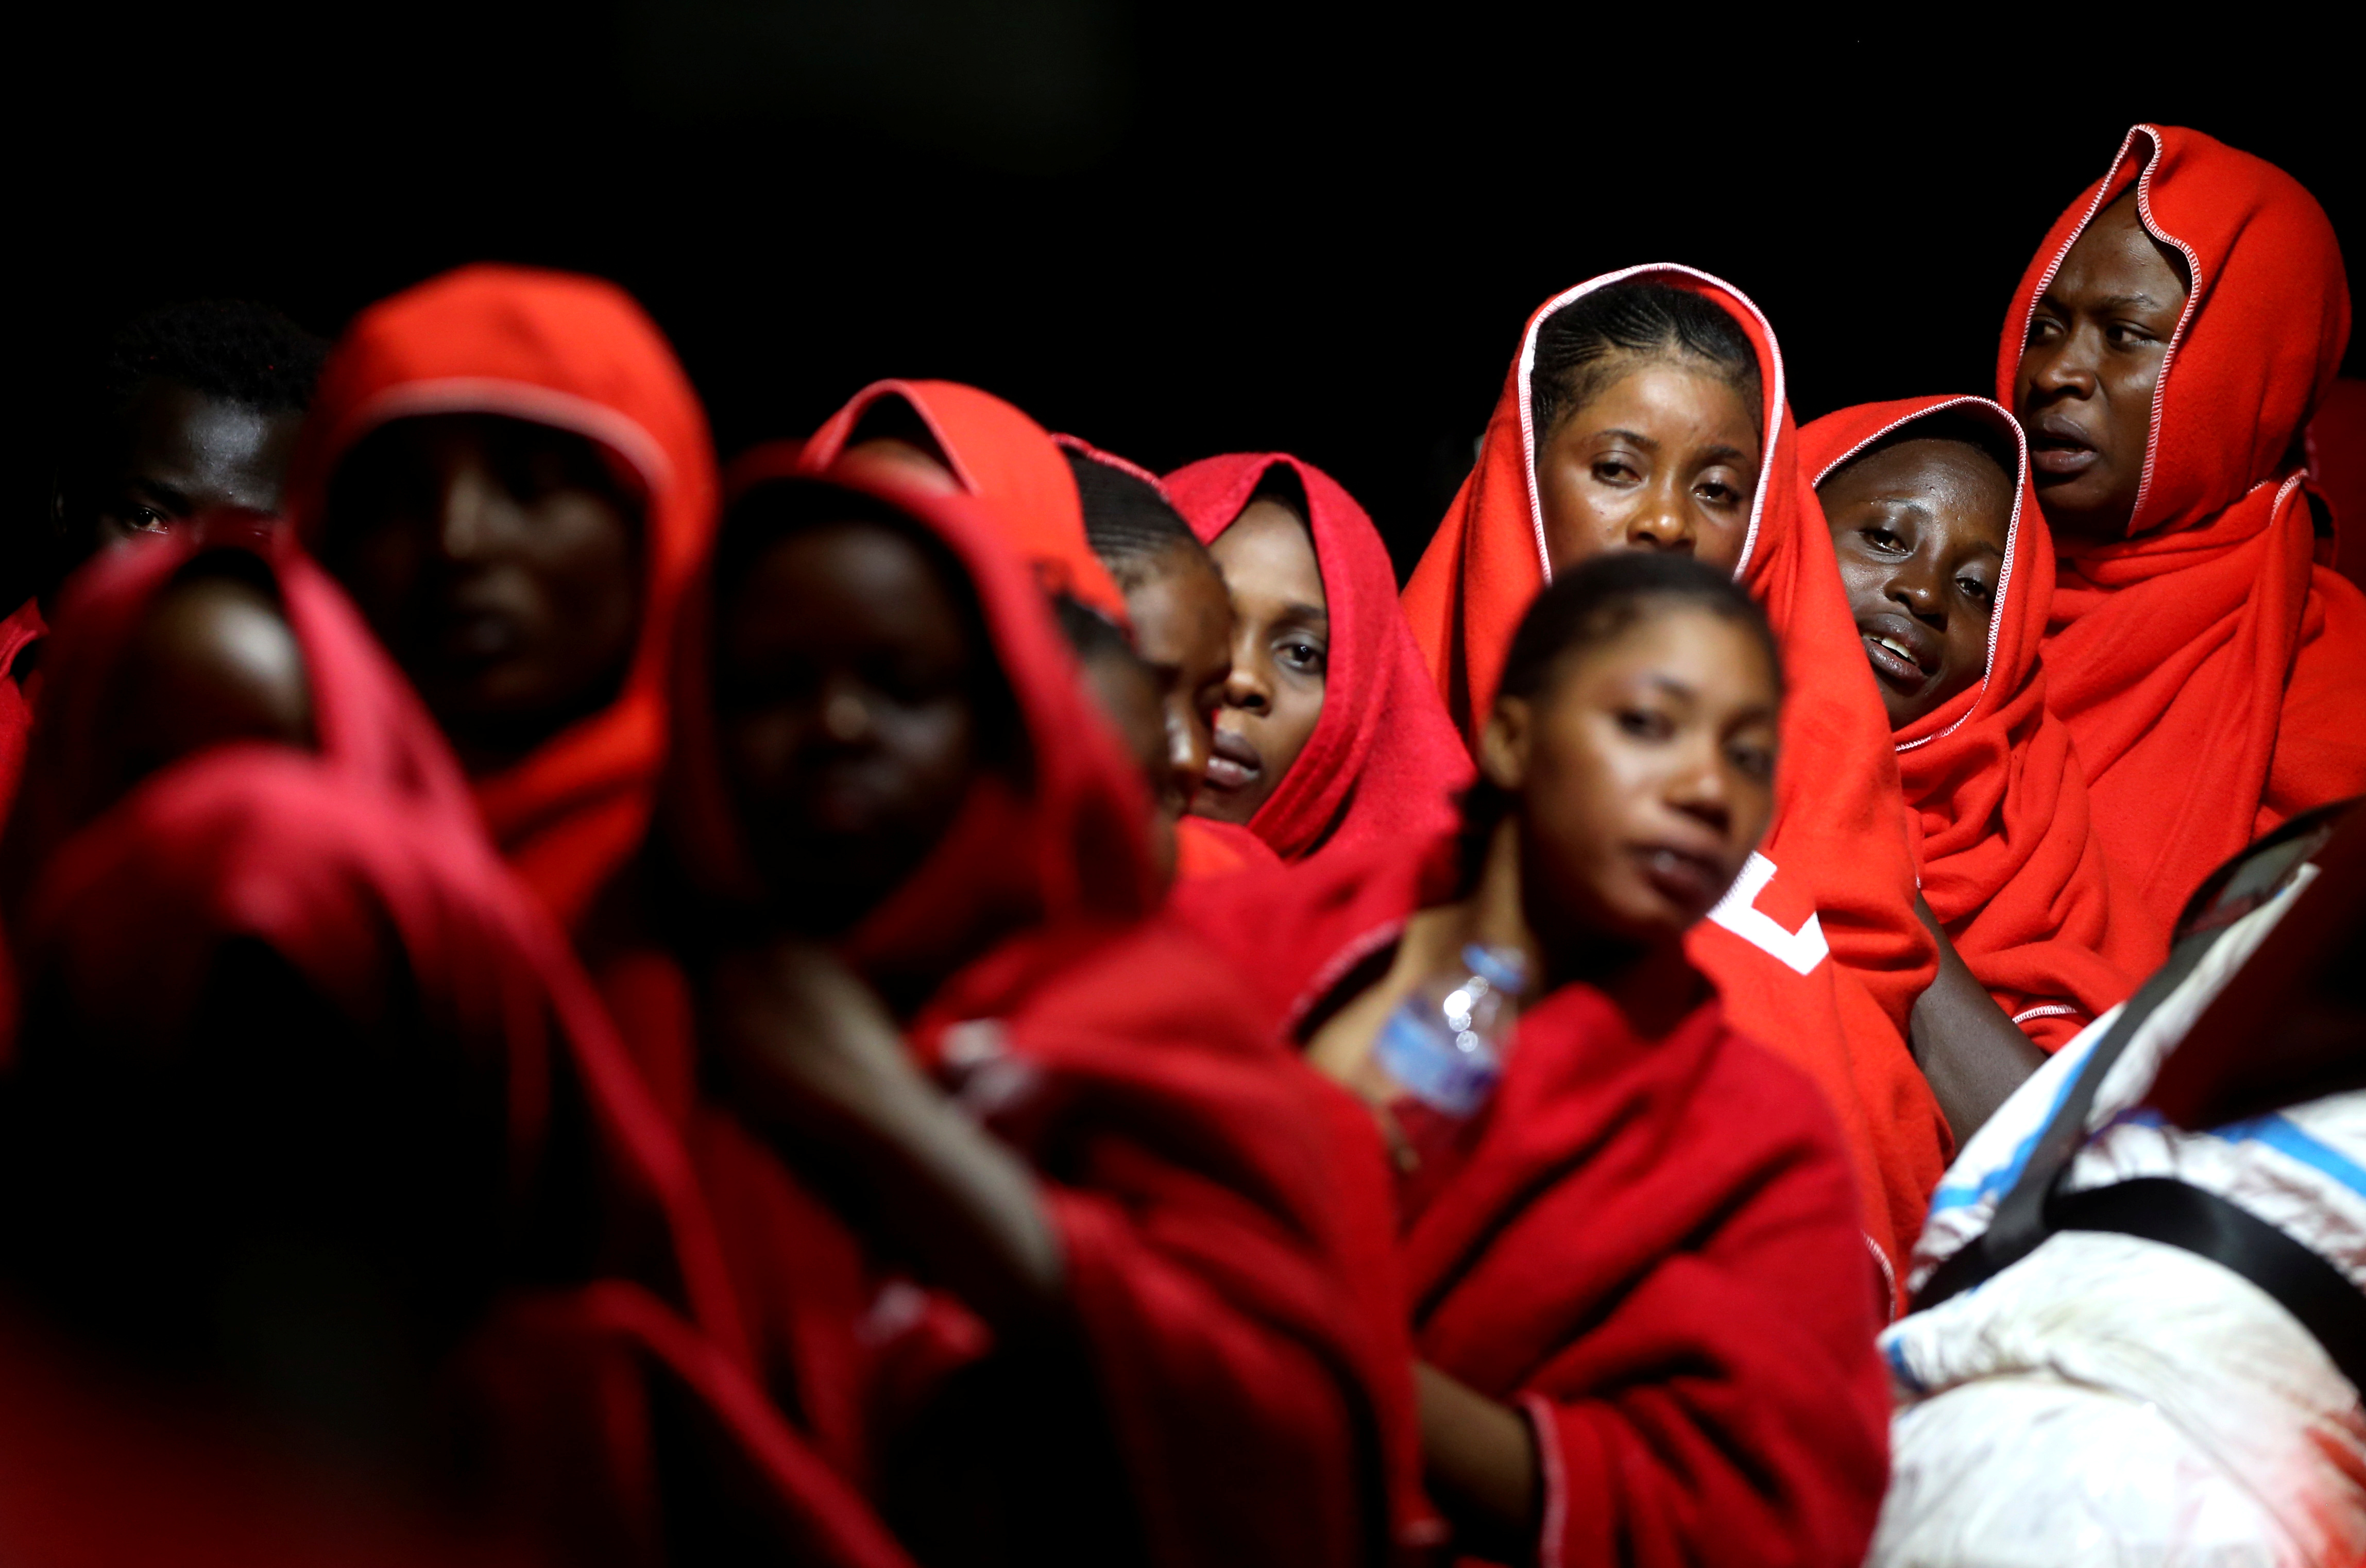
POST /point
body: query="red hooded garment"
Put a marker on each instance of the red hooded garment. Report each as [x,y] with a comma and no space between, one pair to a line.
[1222,1272]
[1650,1247]
[2211,674]
[360,866]
[1816,952]
[578,354]
[1384,760]
[1012,465]
[1996,805]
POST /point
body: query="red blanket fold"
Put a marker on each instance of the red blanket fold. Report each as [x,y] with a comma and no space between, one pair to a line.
[2210,671]
[576,354]
[1836,876]
[1652,1245]
[1384,759]
[2004,836]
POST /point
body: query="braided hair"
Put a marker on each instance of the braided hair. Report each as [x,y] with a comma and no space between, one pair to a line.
[1135,530]
[1588,344]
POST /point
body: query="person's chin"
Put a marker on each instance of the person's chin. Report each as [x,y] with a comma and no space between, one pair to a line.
[1234,805]
[2085,505]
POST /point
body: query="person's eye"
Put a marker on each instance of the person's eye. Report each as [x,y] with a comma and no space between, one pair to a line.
[1716,492]
[148,520]
[2044,329]
[1615,471]
[1884,540]
[1306,657]
[2126,335]
[1645,723]
[1751,761]
[1978,593]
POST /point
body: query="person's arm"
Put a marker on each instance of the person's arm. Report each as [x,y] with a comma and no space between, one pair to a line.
[818,1065]
[1972,1054]
[1480,1456]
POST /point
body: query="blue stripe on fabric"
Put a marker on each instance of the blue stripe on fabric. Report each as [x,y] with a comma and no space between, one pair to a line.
[1998,1181]
[2286,1138]
[1896,1355]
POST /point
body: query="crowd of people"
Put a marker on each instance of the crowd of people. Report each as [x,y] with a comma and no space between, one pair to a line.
[930,996]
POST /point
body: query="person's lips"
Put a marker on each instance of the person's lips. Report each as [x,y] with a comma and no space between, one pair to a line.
[465,634]
[1683,874]
[1233,761]
[1902,650]
[2059,445]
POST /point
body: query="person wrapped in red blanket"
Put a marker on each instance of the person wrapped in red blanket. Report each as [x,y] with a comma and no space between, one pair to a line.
[1636,1283]
[2165,349]
[1332,733]
[1950,574]
[1040,1234]
[1646,411]
[510,473]
[316,1113]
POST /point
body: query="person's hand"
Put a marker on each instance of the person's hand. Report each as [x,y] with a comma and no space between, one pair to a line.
[819,1067]
[804,1041]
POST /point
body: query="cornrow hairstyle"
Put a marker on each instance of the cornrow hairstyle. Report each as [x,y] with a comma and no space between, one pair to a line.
[232,350]
[1952,424]
[1133,528]
[1585,345]
[1584,609]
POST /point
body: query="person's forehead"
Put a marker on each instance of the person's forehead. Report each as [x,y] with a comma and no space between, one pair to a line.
[1929,469]
[1268,550]
[177,429]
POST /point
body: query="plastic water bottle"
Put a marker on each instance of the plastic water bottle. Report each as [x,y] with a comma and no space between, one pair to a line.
[1445,1046]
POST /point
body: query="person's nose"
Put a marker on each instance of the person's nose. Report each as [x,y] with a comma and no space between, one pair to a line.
[464,519]
[1699,788]
[845,713]
[2066,367]
[1664,519]
[1248,687]
[1187,744]
[1917,588]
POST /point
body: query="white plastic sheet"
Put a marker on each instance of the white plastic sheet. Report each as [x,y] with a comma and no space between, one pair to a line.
[2113,1401]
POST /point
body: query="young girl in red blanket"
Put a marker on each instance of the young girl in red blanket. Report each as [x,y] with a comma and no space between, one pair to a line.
[1635,1274]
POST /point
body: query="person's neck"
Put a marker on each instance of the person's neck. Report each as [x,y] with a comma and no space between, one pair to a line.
[1654,985]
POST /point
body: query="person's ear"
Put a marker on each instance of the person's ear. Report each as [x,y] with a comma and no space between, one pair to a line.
[1503,744]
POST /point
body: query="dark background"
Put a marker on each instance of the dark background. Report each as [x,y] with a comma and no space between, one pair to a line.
[1173,231]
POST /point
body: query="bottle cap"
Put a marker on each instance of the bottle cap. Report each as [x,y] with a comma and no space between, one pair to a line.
[1502,967]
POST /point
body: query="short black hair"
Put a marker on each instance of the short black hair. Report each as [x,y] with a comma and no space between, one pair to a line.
[1583,346]
[1602,597]
[236,351]
[1130,526]
[1982,435]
